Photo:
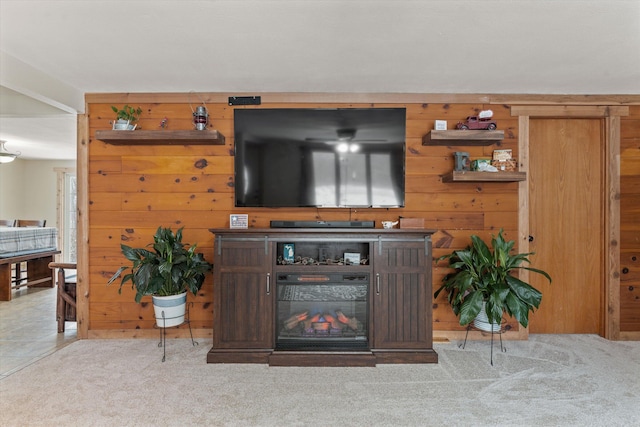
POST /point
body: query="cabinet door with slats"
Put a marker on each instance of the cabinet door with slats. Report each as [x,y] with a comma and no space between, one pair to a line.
[402,294]
[243,305]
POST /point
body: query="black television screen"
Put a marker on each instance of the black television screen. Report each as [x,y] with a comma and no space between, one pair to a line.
[345,157]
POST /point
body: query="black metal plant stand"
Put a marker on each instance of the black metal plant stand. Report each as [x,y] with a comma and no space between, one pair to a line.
[163,330]
[499,332]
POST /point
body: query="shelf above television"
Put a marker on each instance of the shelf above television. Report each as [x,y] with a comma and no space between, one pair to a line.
[161,137]
[477,176]
[462,137]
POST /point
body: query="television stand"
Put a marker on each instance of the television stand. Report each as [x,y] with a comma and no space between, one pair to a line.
[265,306]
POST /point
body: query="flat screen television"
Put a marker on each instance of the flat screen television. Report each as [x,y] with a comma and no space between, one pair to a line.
[332,158]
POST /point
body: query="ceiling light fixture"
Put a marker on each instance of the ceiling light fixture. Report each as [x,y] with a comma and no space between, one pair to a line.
[344,147]
[5,156]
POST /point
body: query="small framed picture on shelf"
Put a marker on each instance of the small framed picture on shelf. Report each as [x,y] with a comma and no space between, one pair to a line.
[288,252]
[508,165]
[351,258]
[502,155]
[238,221]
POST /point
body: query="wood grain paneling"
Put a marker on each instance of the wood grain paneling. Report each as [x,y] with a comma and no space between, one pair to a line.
[150,183]
[133,189]
[630,221]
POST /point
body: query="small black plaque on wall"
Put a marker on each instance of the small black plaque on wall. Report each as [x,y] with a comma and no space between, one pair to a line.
[245,100]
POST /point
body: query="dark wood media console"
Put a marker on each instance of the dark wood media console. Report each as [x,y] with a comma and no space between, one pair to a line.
[388,314]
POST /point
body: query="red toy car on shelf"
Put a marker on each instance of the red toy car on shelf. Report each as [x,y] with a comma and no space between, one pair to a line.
[481,121]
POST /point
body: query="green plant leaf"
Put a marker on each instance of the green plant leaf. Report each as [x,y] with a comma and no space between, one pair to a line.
[517,309]
[525,292]
[117,274]
[535,270]
[470,307]
[495,307]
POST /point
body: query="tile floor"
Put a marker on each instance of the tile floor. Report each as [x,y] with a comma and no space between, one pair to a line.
[28,329]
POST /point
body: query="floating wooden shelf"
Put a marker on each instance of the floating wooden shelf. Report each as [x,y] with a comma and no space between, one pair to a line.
[161,137]
[462,137]
[476,176]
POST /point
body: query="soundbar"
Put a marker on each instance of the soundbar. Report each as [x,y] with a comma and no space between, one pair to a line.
[322,224]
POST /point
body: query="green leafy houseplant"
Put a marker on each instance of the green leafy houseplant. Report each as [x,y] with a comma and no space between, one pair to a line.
[127,113]
[169,269]
[485,275]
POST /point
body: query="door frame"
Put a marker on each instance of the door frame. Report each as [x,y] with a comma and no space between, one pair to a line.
[62,214]
[611,209]
[82,242]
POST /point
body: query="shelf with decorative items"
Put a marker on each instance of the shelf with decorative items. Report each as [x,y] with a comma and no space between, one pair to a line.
[477,176]
[477,130]
[463,137]
[161,137]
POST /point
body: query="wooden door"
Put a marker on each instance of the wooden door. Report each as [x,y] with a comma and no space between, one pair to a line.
[402,295]
[566,223]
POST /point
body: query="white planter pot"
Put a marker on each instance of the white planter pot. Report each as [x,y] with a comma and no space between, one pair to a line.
[481,322]
[170,310]
[123,125]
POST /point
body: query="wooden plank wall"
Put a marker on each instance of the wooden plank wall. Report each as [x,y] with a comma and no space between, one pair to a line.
[134,189]
[630,222]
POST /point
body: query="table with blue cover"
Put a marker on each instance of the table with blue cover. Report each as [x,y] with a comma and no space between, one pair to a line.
[37,246]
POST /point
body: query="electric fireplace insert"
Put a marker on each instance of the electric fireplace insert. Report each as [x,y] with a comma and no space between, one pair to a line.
[321,312]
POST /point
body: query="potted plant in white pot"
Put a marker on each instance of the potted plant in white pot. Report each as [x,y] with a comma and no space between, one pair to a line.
[482,287]
[126,117]
[166,273]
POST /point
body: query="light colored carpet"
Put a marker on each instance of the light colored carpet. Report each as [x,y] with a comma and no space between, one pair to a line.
[549,380]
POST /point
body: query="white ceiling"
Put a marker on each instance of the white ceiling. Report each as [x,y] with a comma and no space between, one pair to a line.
[55,51]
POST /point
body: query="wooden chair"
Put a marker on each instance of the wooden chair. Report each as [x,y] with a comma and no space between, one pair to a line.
[31,222]
[66,303]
